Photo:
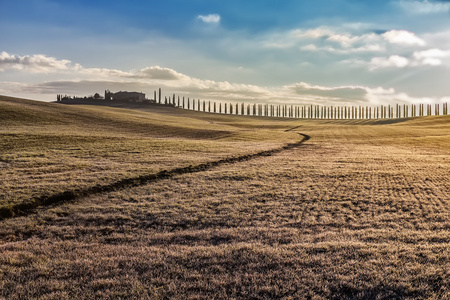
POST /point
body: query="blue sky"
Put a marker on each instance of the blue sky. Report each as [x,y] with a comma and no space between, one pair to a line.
[340,52]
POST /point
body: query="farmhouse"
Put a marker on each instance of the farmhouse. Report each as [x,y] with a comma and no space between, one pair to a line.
[124,96]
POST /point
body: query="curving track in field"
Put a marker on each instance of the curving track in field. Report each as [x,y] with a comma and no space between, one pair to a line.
[27,207]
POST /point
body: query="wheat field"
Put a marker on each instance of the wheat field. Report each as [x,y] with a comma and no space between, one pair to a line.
[360,210]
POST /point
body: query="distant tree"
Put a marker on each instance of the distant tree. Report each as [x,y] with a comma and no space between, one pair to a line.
[97,96]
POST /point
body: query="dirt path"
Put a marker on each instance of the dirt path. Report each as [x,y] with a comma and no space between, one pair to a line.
[27,207]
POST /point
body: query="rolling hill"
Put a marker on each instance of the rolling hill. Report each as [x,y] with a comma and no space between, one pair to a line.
[157,202]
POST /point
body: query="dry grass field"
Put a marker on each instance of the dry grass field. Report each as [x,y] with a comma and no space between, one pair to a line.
[46,149]
[358,211]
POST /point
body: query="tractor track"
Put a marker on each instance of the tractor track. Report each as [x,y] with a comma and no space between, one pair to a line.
[28,207]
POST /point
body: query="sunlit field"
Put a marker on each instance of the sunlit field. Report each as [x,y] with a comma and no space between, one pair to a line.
[360,210]
[47,148]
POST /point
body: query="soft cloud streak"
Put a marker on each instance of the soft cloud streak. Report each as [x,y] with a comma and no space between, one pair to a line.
[325,38]
[432,57]
[395,61]
[210,19]
[158,73]
[403,37]
[341,93]
[424,7]
[34,63]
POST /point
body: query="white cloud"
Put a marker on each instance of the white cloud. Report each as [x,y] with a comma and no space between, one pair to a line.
[432,53]
[347,40]
[293,38]
[382,96]
[34,63]
[340,93]
[159,73]
[356,95]
[43,64]
[210,19]
[344,39]
[424,7]
[362,49]
[315,33]
[403,37]
[392,61]
[432,57]
[99,73]
[325,39]
[311,47]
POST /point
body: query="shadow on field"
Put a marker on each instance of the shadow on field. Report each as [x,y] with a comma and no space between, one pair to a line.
[381,291]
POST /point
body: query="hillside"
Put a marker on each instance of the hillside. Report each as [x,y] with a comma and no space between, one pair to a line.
[184,205]
[48,148]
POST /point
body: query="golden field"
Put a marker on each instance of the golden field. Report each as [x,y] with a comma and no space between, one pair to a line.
[358,211]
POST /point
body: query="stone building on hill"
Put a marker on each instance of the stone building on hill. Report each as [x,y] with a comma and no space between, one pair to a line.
[124,96]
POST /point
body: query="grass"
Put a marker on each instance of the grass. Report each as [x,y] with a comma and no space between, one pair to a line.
[46,149]
[360,211]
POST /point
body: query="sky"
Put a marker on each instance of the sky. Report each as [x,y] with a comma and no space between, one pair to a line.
[324,52]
